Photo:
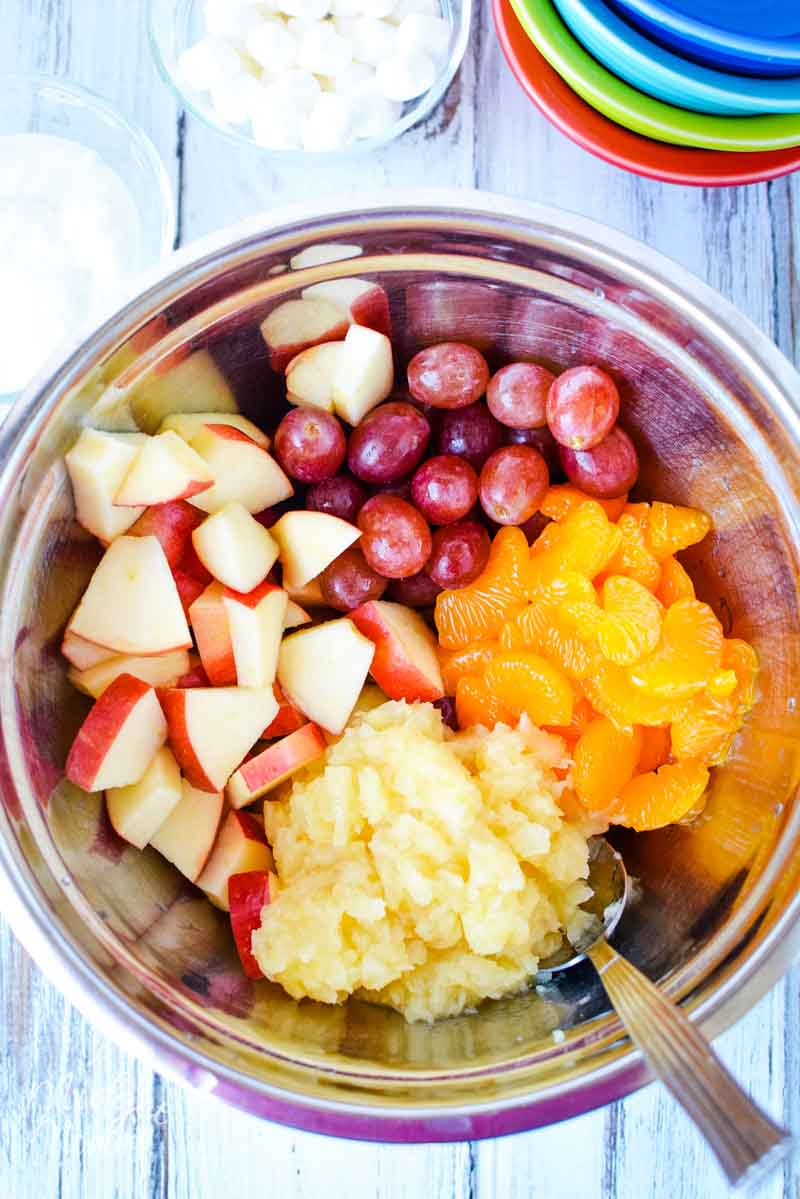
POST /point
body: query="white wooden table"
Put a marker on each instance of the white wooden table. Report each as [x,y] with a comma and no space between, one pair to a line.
[81,1120]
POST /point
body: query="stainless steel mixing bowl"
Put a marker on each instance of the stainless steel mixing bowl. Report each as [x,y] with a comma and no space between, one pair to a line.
[715,410]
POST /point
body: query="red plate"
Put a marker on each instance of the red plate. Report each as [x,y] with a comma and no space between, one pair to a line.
[609,141]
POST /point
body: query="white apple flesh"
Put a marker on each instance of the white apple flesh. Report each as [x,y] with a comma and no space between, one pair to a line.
[97,464]
[309,376]
[188,424]
[322,669]
[242,469]
[119,738]
[297,324]
[211,729]
[163,670]
[406,665]
[235,548]
[241,847]
[187,836]
[275,764]
[364,375]
[138,811]
[365,303]
[164,469]
[308,542]
[256,622]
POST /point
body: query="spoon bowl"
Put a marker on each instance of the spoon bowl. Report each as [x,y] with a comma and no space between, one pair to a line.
[611,890]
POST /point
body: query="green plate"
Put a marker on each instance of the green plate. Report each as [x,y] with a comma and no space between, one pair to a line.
[633,109]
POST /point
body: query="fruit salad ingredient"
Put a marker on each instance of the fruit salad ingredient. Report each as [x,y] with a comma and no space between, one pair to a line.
[448,375]
[310,444]
[444,489]
[459,553]
[512,484]
[388,443]
[517,395]
[608,469]
[350,581]
[417,591]
[582,407]
[480,610]
[420,870]
[340,496]
[471,433]
[396,540]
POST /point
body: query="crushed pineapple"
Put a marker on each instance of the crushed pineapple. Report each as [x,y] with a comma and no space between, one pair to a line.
[419,868]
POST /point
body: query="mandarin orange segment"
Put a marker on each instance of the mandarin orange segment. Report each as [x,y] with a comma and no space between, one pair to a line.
[582,714]
[723,684]
[671,528]
[689,655]
[741,658]
[563,646]
[661,797]
[549,600]
[609,689]
[563,498]
[527,682]
[512,636]
[479,611]
[605,760]
[475,704]
[705,729]
[458,663]
[656,747]
[674,584]
[631,627]
[641,514]
[585,541]
[633,558]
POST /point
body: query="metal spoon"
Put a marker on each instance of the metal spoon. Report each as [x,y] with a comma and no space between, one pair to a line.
[746,1142]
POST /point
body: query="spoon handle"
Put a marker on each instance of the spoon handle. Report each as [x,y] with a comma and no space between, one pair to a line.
[747,1143]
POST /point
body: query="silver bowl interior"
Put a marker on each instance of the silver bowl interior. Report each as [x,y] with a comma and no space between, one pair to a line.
[714,411]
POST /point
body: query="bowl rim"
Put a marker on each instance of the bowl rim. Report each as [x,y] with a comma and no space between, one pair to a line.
[615,144]
[69,968]
[661,73]
[779,49]
[128,128]
[639,112]
[421,108]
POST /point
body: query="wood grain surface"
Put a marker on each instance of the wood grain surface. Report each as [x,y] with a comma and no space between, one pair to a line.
[81,1120]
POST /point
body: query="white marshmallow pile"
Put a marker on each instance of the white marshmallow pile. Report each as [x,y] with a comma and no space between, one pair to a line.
[316,74]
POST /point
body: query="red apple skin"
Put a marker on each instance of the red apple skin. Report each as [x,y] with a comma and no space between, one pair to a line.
[288,719]
[209,622]
[172,523]
[196,677]
[278,762]
[173,703]
[191,565]
[189,588]
[251,599]
[97,733]
[392,667]
[281,356]
[372,310]
[248,895]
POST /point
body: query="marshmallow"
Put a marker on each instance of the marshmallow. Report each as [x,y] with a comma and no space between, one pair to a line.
[404,8]
[357,80]
[208,62]
[234,99]
[296,90]
[403,78]
[329,124]
[346,8]
[272,46]
[276,128]
[373,40]
[307,10]
[375,116]
[324,51]
[419,32]
[230,18]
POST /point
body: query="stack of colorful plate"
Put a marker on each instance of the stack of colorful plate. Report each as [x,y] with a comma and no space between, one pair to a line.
[690,91]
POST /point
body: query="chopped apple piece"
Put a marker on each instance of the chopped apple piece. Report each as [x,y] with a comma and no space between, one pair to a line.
[173,524]
[119,738]
[297,324]
[165,469]
[190,564]
[295,616]
[82,654]
[97,465]
[248,895]
[187,424]
[211,729]
[322,669]
[273,765]
[132,604]
[195,384]
[237,550]
[163,670]
[405,664]
[209,622]
[364,375]
[310,595]
[365,303]
[288,719]
[138,811]
[256,624]
[309,541]
[195,676]
[309,376]
[189,588]
[242,469]
[187,836]
[241,846]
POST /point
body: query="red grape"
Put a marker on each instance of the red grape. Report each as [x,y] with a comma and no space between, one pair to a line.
[459,553]
[396,540]
[447,707]
[471,433]
[541,440]
[349,581]
[582,406]
[417,591]
[517,395]
[444,489]
[340,496]
[606,471]
[401,488]
[513,483]
[310,444]
[388,443]
[448,375]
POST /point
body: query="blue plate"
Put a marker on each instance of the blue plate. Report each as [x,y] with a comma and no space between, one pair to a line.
[664,75]
[773,18]
[747,54]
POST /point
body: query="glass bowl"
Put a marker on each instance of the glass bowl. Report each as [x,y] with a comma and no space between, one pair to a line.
[56,107]
[174,25]
[715,411]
